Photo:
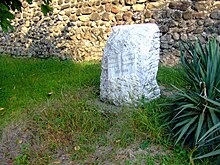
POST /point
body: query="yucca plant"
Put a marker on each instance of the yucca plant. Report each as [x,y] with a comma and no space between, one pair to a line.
[193,116]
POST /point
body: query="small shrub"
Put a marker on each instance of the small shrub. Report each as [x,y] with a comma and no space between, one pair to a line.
[193,116]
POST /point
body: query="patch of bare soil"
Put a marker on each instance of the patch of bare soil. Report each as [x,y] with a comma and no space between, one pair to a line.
[105,155]
[14,137]
[166,91]
[131,153]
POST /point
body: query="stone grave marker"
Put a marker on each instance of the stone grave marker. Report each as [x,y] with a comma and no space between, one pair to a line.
[130,64]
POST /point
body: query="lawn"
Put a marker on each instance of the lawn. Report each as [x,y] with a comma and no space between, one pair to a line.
[51,114]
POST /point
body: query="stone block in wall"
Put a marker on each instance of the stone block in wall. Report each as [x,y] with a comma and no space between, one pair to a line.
[183,37]
[138,7]
[73,17]
[65,6]
[100,9]
[60,2]
[106,16]
[97,3]
[215,14]
[116,2]
[138,16]
[36,19]
[78,12]
[192,37]
[187,15]
[171,23]
[176,15]
[182,6]
[86,11]
[155,5]
[199,15]
[164,29]
[130,2]
[108,7]
[127,16]
[62,13]
[115,9]
[141,1]
[148,14]
[176,36]
[200,6]
[125,8]
[190,29]
[161,15]
[94,16]
[118,17]
[198,30]
[79,4]
[68,12]
[216,5]
[208,22]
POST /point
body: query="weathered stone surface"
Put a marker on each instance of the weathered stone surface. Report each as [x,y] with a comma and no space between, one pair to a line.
[106,16]
[118,17]
[183,6]
[148,14]
[176,15]
[155,5]
[130,2]
[127,16]
[164,28]
[199,15]
[94,16]
[73,17]
[200,6]
[84,18]
[86,10]
[141,1]
[108,7]
[215,14]
[115,9]
[138,7]
[187,15]
[176,36]
[130,64]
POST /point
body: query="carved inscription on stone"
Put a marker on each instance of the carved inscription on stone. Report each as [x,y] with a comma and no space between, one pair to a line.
[121,64]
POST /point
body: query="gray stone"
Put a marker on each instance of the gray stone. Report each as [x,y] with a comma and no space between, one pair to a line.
[176,36]
[130,64]
[215,14]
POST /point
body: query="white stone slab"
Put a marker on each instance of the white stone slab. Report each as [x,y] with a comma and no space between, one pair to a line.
[130,64]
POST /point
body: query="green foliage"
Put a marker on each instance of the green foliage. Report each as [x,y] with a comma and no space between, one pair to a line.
[45,9]
[72,122]
[194,115]
[6,15]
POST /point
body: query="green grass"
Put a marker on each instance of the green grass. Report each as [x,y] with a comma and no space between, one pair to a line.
[52,115]
[26,82]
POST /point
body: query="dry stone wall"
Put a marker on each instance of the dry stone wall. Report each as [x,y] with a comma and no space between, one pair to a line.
[79,29]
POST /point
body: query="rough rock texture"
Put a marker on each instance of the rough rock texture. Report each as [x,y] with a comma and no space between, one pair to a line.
[79,29]
[130,64]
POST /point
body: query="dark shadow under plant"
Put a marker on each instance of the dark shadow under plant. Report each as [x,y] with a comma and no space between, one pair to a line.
[193,116]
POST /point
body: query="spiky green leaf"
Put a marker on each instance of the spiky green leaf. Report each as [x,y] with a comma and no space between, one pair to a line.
[213,153]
